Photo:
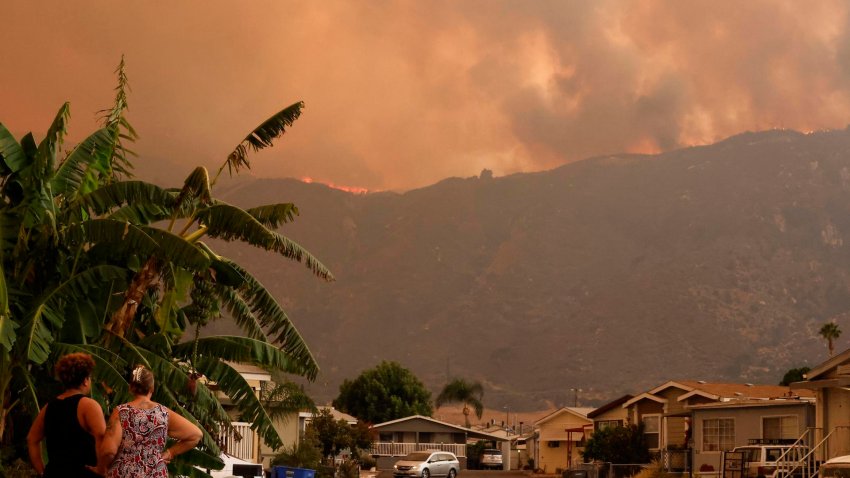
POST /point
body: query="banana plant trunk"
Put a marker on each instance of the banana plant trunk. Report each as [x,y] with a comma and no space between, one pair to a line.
[148,276]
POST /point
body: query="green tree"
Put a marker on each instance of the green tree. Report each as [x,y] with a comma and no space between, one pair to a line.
[623,444]
[794,375]
[830,332]
[335,436]
[93,261]
[386,392]
[467,393]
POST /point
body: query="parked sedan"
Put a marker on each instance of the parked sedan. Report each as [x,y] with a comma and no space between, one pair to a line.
[427,464]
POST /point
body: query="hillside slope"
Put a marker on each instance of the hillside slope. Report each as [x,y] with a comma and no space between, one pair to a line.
[610,275]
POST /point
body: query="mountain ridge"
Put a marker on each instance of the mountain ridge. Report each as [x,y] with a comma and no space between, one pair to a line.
[611,274]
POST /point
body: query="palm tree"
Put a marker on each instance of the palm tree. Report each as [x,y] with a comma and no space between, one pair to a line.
[93,261]
[830,332]
[461,391]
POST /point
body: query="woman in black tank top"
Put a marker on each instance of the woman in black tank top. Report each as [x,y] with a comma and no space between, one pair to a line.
[72,424]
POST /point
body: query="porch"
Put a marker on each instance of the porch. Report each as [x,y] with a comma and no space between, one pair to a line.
[401,449]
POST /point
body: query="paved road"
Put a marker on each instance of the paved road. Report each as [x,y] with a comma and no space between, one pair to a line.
[478,474]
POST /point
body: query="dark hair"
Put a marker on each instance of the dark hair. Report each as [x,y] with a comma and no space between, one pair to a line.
[73,369]
[141,380]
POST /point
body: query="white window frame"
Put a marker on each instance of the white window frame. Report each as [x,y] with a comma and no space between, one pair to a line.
[780,417]
[659,432]
[603,424]
[719,445]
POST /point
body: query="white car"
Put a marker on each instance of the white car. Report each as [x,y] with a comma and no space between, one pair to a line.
[838,467]
[491,458]
[762,460]
[427,464]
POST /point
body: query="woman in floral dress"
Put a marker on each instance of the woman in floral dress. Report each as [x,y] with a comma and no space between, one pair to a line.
[138,431]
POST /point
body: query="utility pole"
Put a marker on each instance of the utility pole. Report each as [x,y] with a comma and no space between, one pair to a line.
[575,391]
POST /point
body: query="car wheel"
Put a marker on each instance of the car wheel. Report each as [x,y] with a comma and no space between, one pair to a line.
[426,473]
[452,473]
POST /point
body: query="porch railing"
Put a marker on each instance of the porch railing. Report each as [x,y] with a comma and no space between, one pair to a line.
[401,449]
[239,442]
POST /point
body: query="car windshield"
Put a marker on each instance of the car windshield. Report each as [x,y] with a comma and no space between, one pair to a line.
[492,452]
[417,456]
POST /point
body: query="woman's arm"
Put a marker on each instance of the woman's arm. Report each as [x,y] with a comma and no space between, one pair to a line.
[90,416]
[34,438]
[111,441]
[182,430]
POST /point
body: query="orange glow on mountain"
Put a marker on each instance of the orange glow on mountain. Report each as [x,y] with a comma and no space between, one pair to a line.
[348,189]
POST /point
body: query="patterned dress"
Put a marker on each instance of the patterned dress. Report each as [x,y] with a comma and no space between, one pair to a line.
[144,436]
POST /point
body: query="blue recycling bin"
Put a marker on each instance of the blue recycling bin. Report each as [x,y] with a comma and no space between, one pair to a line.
[292,472]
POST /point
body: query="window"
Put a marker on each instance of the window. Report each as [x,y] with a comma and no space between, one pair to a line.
[718,434]
[779,427]
[554,444]
[652,431]
[603,424]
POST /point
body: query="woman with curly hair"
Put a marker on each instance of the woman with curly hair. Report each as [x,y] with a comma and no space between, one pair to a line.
[134,443]
[72,423]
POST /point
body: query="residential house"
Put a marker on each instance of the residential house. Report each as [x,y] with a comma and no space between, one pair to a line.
[721,426]
[291,429]
[559,439]
[612,414]
[242,442]
[665,411]
[830,381]
[397,438]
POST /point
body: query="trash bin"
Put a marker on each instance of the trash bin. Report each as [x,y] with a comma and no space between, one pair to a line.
[292,472]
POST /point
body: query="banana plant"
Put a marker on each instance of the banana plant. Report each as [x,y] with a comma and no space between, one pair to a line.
[94,260]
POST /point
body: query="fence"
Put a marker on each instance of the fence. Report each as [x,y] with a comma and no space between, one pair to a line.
[401,449]
[239,442]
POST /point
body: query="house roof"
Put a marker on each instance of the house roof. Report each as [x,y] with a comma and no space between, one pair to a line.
[336,414]
[643,396]
[780,402]
[469,432]
[828,365]
[250,372]
[580,412]
[609,406]
[720,391]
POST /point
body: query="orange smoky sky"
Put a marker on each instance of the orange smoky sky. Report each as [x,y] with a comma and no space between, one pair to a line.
[401,94]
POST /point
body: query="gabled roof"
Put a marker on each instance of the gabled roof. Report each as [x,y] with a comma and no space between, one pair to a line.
[468,431]
[680,385]
[828,365]
[643,396]
[580,412]
[718,391]
[609,406]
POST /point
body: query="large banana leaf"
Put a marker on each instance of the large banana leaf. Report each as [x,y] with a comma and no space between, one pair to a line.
[11,151]
[52,143]
[153,200]
[227,222]
[234,385]
[263,136]
[7,332]
[46,314]
[275,322]
[141,240]
[93,152]
[274,215]
[241,313]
